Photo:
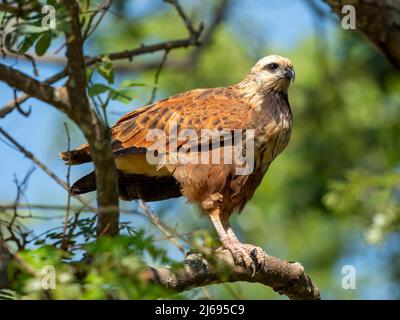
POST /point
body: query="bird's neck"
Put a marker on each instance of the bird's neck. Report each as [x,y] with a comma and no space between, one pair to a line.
[255,94]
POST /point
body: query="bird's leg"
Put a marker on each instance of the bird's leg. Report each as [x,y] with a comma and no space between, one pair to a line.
[255,252]
[230,243]
[244,254]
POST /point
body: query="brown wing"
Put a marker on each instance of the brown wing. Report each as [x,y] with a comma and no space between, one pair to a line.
[218,108]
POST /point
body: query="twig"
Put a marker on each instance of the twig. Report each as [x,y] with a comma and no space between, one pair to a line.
[65,244]
[161,226]
[103,8]
[144,49]
[219,15]
[68,187]
[8,39]
[126,54]
[18,106]
[4,248]
[42,166]
[189,25]
[23,206]
[157,76]
[11,226]
[103,105]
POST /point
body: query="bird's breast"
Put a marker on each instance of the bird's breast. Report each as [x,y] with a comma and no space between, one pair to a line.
[273,139]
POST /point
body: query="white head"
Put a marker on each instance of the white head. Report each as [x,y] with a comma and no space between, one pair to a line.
[272,74]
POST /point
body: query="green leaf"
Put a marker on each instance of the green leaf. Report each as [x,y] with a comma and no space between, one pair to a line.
[131,83]
[97,88]
[89,73]
[28,42]
[107,72]
[43,43]
[124,96]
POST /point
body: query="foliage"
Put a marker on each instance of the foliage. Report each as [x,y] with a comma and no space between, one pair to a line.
[373,198]
[112,268]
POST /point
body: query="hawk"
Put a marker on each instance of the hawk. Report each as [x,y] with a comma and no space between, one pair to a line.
[259,103]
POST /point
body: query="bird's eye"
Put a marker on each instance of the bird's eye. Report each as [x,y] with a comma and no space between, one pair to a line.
[272,66]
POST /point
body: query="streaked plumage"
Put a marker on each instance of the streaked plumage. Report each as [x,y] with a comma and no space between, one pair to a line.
[259,102]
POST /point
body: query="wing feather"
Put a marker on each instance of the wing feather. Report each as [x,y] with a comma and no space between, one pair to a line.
[216,108]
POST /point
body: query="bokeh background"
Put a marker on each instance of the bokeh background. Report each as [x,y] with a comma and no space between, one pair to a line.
[330,200]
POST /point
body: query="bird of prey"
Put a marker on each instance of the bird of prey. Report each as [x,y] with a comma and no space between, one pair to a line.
[258,103]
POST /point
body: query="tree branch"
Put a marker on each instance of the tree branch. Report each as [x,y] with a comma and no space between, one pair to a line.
[219,15]
[97,133]
[195,33]
[34,88]
[89,61]
[283,277]
[379,21]
[10,106]
[54,207]
[45,169]
[192,40]
[129,54]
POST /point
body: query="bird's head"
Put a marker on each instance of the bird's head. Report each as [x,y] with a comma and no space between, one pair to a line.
[273,74]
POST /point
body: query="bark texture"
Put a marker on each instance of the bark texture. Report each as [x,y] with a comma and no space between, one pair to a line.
[379,21]
[288,278]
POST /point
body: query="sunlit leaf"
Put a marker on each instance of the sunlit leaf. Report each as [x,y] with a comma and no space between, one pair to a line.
[97,88]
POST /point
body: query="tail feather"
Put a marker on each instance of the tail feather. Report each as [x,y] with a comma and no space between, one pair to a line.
[77,156]
[134,186]
[85,184]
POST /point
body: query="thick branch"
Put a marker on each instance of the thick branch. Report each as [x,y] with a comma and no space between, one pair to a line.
[34,88]
[10,106]
[97,133]
[379,21]
[283,277]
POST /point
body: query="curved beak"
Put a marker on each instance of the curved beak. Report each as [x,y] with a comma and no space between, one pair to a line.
[290,74]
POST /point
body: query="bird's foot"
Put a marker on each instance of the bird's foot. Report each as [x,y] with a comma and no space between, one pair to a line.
[247,255]
[257,254]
